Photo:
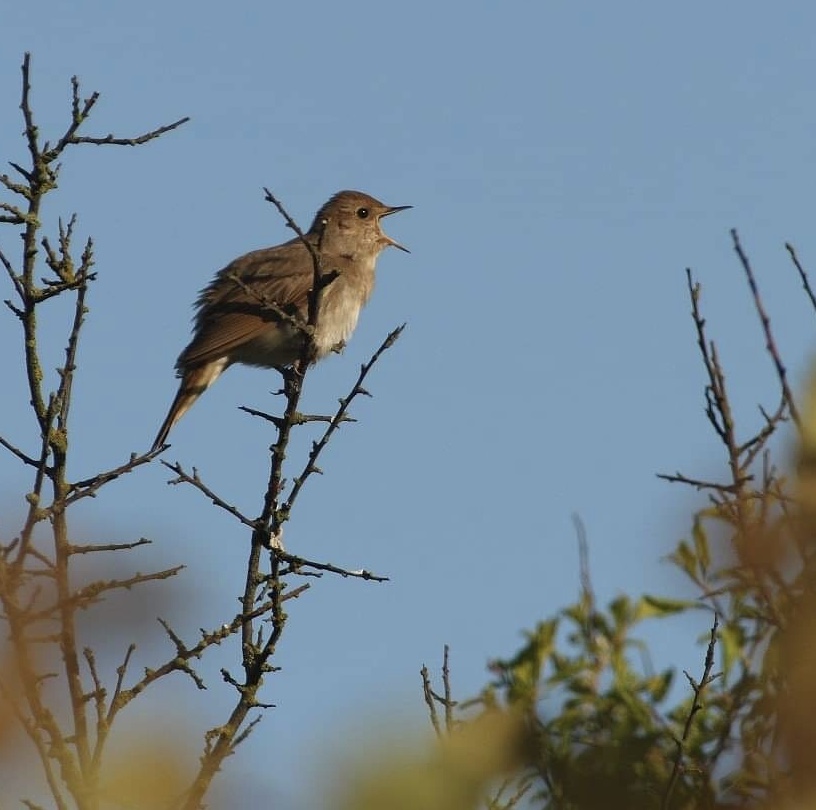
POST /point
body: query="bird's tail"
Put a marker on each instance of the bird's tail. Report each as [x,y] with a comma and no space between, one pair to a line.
[194,382]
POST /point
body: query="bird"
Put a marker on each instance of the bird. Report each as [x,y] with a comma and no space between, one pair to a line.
[253,310]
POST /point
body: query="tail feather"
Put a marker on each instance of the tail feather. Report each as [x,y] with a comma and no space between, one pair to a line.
[194,383]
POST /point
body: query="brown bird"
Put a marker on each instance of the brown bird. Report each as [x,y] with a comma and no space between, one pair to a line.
[249,313]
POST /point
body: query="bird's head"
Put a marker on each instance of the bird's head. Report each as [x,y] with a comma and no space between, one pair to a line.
[349,224]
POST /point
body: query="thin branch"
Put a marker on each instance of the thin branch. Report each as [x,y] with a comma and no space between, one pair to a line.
[249,729]
[84,596]
[298,418]
[36,513]
[290,223]
[195,481]
[296,563]
[135,141]
[99,693]
[93,591]
[756,444]
[698,688]
[446,684]
[499,803]
[802,274]
[16,281]
[89,549]
[67,371]
[104,718]
[430,700]
[121,671]
[770,342]
[185,653]
[720,415]
[56,288]
[679,478]
[15,215]
[32,462]
[31,132]
[587,591]
[21,189]
[78,117]
[33,729]
[714,389]
[338,419]
[88,487]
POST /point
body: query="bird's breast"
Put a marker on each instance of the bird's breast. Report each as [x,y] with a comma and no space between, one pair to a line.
[340,309]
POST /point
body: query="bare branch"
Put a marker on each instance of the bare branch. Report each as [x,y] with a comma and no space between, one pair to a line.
[290,223]
[15,215]
[31,132]
[297,418]
[250,728]
[430,700]
[802,274]
[88,487]
[99,693]
[679,478]
[138,140]
[338,419]
[86,595]
[448,701]
[698,688]
[32,462]
[16,281]
[297,563]
[770,342]
[185,653]
[195,481]
[89,549]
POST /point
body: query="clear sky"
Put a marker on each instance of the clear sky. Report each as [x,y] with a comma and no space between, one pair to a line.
[566,163]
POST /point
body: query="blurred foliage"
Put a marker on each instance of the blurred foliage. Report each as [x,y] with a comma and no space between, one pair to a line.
[453,776]
[616,738]
[738,727]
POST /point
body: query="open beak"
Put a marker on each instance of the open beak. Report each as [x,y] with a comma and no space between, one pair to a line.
[394,210]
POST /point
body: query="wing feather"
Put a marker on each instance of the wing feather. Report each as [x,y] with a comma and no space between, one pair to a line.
[229,315]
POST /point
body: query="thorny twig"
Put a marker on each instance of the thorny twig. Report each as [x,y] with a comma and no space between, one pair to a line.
[770,341]
[698,687]
[64,745]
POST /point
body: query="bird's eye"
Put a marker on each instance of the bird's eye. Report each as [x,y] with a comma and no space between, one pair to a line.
[362,213]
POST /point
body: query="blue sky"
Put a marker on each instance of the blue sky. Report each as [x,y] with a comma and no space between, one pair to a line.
[566,163]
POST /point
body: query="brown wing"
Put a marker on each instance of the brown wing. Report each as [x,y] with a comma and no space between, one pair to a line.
[230,312]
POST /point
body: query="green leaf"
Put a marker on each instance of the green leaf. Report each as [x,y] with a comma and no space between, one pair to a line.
[731,641]
[685,559]
[698,534]
[524,669]
[658,685]
[649,607]
[621,610]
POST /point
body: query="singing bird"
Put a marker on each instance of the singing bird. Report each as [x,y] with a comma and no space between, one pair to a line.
[249,312]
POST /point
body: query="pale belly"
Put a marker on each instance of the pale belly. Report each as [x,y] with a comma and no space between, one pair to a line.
[337,320]
[281,344]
